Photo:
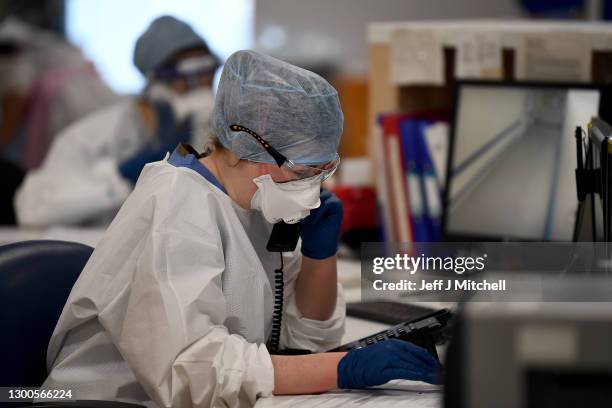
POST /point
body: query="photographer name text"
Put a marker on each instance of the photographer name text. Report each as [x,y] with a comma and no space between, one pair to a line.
[438,285]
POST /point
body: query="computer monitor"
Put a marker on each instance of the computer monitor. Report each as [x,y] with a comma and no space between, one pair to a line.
[545,354]
[593,177]
[510,173]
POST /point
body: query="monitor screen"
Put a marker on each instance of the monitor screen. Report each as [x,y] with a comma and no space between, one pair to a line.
[512,160]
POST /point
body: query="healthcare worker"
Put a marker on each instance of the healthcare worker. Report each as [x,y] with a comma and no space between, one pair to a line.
[45,85]
[93,164]
[175,307]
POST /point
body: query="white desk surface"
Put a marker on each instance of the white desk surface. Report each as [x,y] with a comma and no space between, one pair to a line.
[87,236]
[405,394]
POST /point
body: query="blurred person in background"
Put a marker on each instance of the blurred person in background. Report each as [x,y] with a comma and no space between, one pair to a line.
[45,84]
[93,164]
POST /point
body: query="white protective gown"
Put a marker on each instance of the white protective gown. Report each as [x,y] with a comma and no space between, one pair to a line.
[79,180]
[175,304]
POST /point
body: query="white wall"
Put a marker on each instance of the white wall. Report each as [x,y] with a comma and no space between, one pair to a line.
[106,30]
[335,30]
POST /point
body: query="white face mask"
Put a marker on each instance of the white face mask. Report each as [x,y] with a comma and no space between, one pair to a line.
[198,102]
[290,201]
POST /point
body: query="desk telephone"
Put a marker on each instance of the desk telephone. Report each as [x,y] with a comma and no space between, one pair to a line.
[424,331]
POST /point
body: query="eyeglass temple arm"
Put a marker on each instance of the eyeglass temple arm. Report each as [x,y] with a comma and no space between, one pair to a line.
[278,157]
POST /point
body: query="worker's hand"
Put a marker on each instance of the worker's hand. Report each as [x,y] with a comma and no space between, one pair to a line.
[321,229]
[131,168]
[385,361]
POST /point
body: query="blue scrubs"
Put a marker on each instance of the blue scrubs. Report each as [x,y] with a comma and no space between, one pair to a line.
[179,159]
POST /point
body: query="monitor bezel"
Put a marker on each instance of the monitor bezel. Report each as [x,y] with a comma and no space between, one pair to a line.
[600,136]
[446,236]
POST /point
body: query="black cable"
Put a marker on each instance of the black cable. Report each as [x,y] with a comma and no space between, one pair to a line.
[277,317]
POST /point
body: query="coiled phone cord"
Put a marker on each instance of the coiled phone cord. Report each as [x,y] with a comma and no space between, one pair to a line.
[277,316]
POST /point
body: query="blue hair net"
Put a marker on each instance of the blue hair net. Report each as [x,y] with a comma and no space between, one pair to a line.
[293,109]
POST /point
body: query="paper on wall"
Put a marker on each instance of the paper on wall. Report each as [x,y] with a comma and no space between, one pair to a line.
[356,171]
[417,57]
[554,56]
[478,55]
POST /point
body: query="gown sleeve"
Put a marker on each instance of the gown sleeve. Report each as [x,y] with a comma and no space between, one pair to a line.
[79,179]
[168,324]
[299,332]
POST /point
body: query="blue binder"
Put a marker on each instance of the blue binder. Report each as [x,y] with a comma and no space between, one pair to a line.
[429,183]
[409,138]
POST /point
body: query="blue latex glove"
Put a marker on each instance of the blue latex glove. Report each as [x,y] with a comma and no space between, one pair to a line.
[131,168]
[385,361]
[169,131]
[168,135]
[321,229]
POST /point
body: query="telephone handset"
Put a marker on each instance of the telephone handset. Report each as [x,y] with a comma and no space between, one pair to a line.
[284,237]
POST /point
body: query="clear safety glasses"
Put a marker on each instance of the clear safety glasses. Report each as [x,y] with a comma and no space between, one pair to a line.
[188,69]
[292,170]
